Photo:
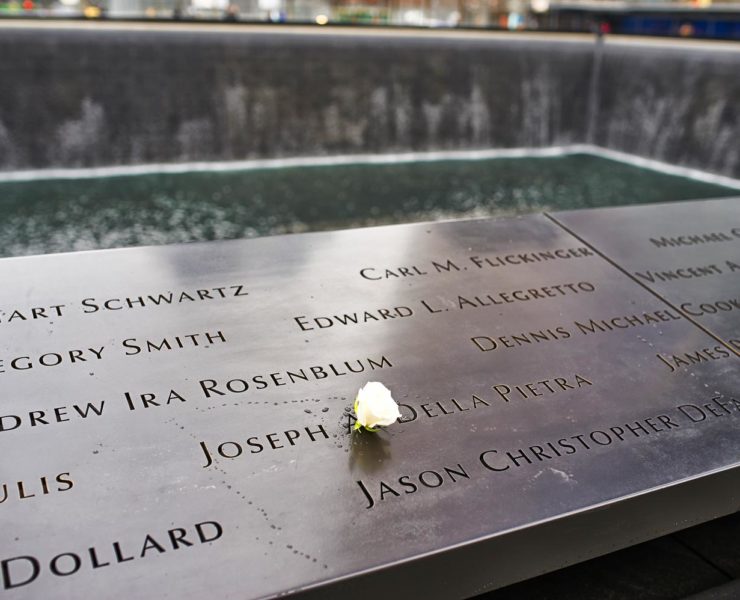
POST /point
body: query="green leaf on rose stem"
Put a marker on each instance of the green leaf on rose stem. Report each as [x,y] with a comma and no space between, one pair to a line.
[357,425]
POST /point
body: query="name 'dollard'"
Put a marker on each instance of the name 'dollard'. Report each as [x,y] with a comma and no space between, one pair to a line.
[23,570]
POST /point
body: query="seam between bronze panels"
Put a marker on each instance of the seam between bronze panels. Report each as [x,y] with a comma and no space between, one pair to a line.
[686,316]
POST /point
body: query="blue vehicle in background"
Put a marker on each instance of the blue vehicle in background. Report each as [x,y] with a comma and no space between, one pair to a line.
[719,21]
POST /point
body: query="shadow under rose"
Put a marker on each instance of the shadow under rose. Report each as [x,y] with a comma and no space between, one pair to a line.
[368,451]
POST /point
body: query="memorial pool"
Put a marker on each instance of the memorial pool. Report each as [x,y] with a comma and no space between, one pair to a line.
[60,215]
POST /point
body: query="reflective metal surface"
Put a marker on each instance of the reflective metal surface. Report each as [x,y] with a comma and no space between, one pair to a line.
[542,423]
[688,252]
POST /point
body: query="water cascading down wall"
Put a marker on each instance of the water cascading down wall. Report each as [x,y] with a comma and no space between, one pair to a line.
[86,97]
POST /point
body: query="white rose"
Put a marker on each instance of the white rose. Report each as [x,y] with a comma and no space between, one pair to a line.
[374,406]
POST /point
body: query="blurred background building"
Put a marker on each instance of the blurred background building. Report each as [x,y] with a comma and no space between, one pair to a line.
[700,18]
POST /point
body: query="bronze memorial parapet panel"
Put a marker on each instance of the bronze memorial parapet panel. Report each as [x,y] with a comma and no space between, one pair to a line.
[687,252]
[176,421]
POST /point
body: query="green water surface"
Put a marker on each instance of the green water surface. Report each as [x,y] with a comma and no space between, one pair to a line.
[59,215]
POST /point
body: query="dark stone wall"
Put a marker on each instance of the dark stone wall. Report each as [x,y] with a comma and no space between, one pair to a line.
[85,97]
[677,104]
